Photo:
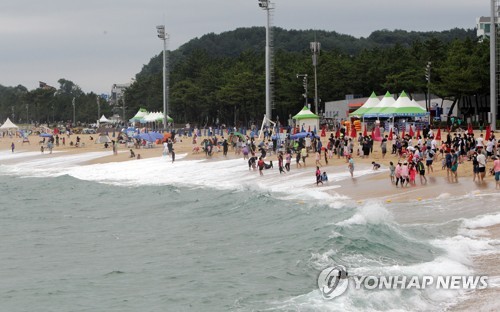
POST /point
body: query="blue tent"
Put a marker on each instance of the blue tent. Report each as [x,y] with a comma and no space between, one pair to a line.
[302,135]
[145,136]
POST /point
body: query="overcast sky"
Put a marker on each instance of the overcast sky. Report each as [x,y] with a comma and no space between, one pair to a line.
[96,43]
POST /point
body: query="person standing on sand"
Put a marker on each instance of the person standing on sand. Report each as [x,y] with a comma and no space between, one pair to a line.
[481,164]
[173,155]
[351,166]
[288,160]
[454,166]
[303,155]
[12,146]
[392,171]
[496,168]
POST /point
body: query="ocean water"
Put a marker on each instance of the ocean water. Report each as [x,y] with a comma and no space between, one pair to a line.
[149,235]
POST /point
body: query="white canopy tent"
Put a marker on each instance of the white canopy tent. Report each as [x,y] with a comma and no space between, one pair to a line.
[8,125]
[104,120]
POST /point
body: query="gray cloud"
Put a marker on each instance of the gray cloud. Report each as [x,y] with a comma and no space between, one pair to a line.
[97,43]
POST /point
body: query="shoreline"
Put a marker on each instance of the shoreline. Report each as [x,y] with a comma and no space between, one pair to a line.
[375,185]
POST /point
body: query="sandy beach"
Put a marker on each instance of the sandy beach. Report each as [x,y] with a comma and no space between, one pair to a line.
[360,189]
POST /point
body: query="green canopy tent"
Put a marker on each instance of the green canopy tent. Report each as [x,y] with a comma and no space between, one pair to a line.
[371,102]
[307,120]
[404,107]
[139,115]
[378,110]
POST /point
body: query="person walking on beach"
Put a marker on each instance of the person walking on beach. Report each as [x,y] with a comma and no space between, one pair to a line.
[318,176]
[173,155]
[421,171]
[351,166]
[12,146]
[288,160]
[318,159]
[405,174]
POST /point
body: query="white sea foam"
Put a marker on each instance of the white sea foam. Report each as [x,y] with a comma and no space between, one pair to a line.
[230,174]
[482,221]
[371,212]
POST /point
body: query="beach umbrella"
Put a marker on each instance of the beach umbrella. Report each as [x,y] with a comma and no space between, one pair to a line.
[411,132]
[438,135]
[390,134]
[469,129]
[488,133]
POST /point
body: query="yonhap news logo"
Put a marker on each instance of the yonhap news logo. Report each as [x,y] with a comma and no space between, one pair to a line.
[333,282]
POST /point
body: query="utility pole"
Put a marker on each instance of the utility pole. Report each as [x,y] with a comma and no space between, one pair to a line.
[267,6]
[74,113]
[428,78]
[493,65]
[164,36]
[315,48]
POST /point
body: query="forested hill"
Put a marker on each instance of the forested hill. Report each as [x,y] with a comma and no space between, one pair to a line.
[233,43]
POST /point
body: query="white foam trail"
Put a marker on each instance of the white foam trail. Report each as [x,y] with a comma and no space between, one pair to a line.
[230,174]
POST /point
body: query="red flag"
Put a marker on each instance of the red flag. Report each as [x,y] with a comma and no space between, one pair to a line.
[337,133]
[323,131]
[309,130]
[418,132]
[390,135]
[469,129]
[364,132]
[448,129]
[403,133]
[295,130]
[411,132]
[438,135]
[488,133]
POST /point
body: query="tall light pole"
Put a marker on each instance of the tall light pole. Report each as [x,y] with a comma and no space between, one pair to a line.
[304,83]
[493,65]
[428,78]
[98,108]
[164,36]
[74,114]
[267,6]
[315,48]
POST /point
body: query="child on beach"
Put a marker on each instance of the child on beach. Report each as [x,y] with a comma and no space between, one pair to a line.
[412,173]
[318,176]
[324,177]
[375,165]
[392,171]
[421,171]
